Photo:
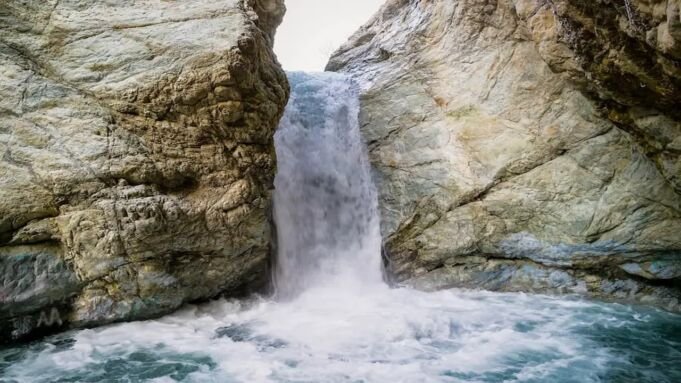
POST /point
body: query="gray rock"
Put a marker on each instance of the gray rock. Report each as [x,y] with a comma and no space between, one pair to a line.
[136,155]
[526,145]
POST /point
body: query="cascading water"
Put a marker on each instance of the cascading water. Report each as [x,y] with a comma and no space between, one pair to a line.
[336,321]
[325,202]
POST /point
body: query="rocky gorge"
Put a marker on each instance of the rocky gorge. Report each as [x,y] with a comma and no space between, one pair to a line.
[517,146]
[526,145]
[483,191]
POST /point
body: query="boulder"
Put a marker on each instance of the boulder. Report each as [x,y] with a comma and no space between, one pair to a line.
[136,156]
[526,145]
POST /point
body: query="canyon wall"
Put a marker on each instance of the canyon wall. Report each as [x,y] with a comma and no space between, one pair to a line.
[526,145]
[136,156]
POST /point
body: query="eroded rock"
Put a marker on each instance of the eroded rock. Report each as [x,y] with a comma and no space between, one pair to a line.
[137,158]
[526,145]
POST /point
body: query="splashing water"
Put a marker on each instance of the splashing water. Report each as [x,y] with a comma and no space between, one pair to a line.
[325,202]
[326,335]
[336,321]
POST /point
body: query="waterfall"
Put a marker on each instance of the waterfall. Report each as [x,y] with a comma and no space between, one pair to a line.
[325,202]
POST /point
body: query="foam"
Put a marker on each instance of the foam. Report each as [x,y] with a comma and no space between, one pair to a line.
[383,335]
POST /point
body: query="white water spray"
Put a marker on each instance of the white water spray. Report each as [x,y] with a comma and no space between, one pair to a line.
[325,202]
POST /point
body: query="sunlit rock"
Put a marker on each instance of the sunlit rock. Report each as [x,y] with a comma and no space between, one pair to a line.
[137,156]
[526,145]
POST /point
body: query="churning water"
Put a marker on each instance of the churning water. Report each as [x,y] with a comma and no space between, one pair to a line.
[325,203]
[333,320]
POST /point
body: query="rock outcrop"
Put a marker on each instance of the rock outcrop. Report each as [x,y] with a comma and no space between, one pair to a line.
[136,156]
[527,145]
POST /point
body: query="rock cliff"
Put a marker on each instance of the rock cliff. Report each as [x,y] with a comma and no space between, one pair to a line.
[527,145]
[136,156]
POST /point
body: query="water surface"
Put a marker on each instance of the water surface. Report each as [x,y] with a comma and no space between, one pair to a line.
[378,335]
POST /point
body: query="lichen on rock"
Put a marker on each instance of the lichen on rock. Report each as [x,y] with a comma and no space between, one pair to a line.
[136,156]
[526,145]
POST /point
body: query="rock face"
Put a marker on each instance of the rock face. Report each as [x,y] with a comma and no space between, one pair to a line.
[527,145]
[136,156]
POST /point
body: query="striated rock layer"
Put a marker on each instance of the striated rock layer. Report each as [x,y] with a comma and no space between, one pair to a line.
[136,156]
[527,145]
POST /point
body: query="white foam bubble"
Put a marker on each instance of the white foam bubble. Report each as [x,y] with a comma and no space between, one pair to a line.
[329,335]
